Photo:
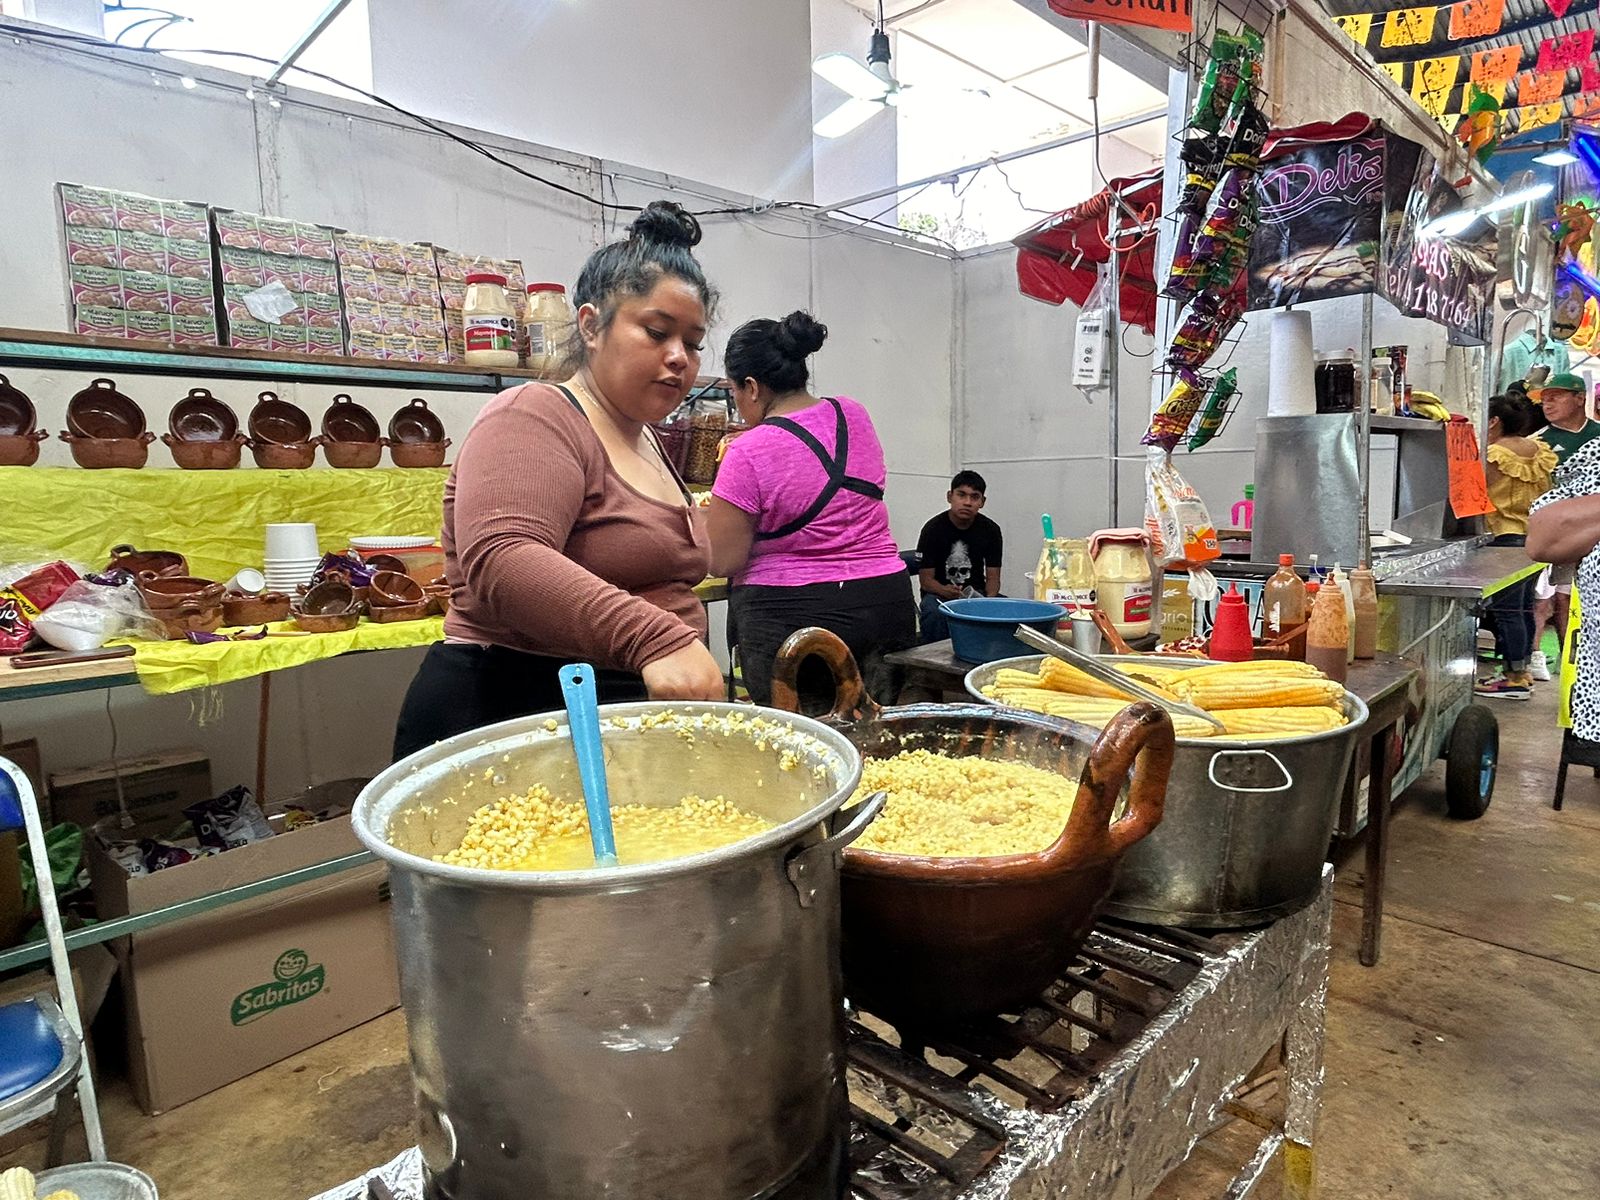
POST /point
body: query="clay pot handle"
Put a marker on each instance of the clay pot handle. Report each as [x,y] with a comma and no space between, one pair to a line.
[147,437]
[201,393]
[1109,631]
[418,402]
[263,397]
[342,398]
[1140,735]
[104,384]
[447,443]
[38,435]
[122,548]
[851,702]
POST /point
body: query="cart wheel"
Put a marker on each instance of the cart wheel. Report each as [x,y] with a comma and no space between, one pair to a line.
[1471,762]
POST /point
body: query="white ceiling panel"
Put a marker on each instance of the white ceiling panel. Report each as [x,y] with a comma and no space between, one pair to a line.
[1000,36]
[1066,85]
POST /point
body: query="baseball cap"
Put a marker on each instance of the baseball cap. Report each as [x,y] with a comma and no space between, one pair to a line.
[1564,382]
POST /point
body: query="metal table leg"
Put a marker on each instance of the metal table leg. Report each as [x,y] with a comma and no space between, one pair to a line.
[1378,805]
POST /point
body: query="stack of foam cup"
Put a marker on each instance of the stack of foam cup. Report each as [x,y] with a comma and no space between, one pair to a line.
[291,556]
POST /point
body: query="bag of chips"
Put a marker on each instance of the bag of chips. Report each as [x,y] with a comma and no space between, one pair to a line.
[22,602]
[1216,409]
[230,820]
[1171,420]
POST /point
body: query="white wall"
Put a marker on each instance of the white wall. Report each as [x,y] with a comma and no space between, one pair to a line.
[718,90]
[889,306]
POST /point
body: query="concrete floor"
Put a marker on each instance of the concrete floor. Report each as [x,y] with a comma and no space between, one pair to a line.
[1464,1067]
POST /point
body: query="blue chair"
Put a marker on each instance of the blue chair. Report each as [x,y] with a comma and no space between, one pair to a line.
[42,1056]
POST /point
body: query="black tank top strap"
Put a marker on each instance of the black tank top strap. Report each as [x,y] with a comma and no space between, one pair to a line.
[834,464]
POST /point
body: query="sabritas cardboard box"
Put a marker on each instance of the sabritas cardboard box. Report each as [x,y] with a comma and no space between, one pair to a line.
[213,998]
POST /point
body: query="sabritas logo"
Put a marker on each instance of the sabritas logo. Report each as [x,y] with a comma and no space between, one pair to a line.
[297,980]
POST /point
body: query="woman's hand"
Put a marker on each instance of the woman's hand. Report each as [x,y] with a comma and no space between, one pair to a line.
[689,673]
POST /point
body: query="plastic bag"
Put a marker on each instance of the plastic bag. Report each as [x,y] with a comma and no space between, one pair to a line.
[22,601]
[1089,351]
[88,615]
[1181,530]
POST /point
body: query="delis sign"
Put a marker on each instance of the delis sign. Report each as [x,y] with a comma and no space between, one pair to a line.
[1156,14]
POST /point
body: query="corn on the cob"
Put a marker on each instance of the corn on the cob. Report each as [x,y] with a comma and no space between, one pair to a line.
[1064,677]
[1011,677]
[1159,676]
[1272,691]
[1287,721]
[62,1195]
[16,1184]
[1285,667]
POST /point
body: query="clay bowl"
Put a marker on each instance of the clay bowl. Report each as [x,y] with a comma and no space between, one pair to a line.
[390,589]
[138,563]
[385,562]
[238,609]
[21,449]
[326,623]
[189,617]
[283,456]
[169,591]
[400,612]
[347,421]
[438,599]
[352,455]
[418,454]
[274,420]
[328,598]
[103,413]
[205,456]
[98,454]
[415,423]
[17,416]
[201,417]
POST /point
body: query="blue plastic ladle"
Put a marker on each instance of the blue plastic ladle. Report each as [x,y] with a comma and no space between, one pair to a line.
[583,718]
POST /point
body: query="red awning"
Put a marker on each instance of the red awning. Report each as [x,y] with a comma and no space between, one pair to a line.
[1057,259]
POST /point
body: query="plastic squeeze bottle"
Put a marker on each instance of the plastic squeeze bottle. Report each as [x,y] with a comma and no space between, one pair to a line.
[1328,638]
[1343,581]
[1230,632]
[1283,600]
[1364,593]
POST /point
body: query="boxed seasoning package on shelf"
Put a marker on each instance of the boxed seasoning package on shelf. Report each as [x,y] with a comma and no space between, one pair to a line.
[138,266]
[280,283]
[392,305]
[453,271]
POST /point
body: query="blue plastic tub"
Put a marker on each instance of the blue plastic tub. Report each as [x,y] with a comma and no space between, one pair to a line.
[984,629]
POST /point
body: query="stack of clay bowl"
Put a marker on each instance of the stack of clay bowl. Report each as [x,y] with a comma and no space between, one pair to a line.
[396,597]
[280,435]
[350,435]
[19,440]
[416,436]
[203,433]
[328,607]
[106,429]
[182,603]
[140,563]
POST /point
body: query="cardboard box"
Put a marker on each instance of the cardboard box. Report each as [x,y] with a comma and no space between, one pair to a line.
[156,789]
[213,998]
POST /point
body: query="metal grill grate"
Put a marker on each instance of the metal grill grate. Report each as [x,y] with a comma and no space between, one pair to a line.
[923,1127]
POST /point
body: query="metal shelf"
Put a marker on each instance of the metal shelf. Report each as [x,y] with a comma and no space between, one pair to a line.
[1405,425]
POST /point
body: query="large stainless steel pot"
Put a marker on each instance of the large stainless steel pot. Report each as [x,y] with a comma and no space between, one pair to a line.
[1246,826]
[667,1029]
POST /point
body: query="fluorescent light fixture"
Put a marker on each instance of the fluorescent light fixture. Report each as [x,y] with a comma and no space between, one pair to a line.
[846,117]
[1453,223]
[188,82]
[849,75]
[1556,158]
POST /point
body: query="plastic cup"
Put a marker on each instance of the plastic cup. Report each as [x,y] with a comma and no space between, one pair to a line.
[1085,633]
[247,581]
[297,540]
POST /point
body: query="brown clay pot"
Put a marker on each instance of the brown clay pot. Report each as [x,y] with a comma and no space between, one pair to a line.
[328,598]
[399,612]
[416,423]
[347,421]
[201,417]
[274,420]
[100,411]
[17,415]
[98,454]
[164,563]
[205,456]
[385,562]
[283,456]
[391,588]
[418,454]
[438,599]
[239,609]
[352,455]
[326,623]
[21,449]
[189,617]
[169,591]
[931,941]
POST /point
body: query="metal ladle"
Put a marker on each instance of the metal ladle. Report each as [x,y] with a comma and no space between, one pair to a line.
[1090,665]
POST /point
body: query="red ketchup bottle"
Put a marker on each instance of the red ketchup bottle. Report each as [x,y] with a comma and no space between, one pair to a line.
[1230,632]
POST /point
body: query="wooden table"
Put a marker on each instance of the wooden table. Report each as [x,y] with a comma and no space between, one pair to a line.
[933,673]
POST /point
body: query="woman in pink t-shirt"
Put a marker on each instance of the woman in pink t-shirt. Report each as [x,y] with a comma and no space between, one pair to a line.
[797,516]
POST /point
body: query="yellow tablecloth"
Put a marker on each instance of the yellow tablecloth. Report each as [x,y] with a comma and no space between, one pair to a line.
[214,518]
[179,666]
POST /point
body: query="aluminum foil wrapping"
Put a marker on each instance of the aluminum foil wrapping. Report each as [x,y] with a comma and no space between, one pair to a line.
[1161,1094]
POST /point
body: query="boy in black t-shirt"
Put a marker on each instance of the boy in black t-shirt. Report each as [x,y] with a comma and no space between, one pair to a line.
[958,554]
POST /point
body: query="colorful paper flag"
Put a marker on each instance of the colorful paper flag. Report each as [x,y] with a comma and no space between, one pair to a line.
[1565,53]
[1476,18]
[1538,115]
[1540,87]
[1357,25]
[1435,74]
[1408,26]
[1396,70]
[1558,8]
[1496,66]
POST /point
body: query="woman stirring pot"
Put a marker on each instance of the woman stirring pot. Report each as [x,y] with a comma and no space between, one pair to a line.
[567,534]
[798,519]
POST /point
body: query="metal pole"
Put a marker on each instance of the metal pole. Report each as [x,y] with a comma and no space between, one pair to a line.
[955,172]
[1364,432]
[303,42]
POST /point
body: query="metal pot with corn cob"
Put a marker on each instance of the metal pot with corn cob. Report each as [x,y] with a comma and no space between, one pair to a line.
[1249,812]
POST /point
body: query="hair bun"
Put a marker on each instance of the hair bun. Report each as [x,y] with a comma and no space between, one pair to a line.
[667,223]
[800,335]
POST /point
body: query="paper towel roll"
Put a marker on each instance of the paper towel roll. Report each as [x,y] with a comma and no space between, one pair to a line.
[1291,367]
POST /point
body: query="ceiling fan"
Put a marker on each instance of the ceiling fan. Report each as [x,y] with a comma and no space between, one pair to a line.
[872,87]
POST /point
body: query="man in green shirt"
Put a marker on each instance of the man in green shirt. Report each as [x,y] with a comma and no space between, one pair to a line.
[1565,400]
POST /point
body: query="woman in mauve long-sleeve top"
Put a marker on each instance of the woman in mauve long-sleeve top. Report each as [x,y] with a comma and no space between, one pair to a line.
[567,534]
